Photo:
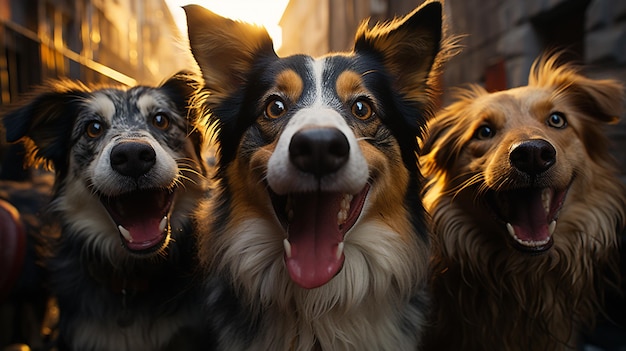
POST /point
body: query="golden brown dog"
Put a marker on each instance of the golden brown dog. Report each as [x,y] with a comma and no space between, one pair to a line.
[525,204]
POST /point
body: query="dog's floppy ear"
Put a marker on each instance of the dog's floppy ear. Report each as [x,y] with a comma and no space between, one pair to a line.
[408,48]
[600,99]
[224,49]
[45,122]
[184,88]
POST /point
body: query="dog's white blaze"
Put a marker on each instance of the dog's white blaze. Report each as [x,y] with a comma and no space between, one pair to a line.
[317,70]
[283,177]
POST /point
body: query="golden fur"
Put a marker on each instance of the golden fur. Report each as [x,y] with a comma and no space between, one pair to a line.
[489,295]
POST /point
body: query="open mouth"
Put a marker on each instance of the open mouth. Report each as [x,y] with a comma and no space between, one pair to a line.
[316,224]
[142,218]
[530,215]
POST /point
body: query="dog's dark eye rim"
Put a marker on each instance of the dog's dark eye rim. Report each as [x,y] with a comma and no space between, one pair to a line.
[275,107]
[557,120]
[484,132]
[94,129]
[161,120]
[362,109]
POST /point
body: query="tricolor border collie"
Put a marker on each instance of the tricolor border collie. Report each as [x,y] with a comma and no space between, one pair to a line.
[129,171]
[316,225]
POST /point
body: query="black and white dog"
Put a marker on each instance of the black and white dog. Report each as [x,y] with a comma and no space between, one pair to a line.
[129,170]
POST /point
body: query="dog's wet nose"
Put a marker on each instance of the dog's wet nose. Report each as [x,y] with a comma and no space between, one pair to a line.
[533,156]
[319,150]
[132,158]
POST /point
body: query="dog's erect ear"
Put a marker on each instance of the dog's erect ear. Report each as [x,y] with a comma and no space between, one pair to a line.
[408,48]
[224,49]
[600,99]
[45,122]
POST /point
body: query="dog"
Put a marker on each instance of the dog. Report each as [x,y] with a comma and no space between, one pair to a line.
[128,173]
[315,228]
[525,203]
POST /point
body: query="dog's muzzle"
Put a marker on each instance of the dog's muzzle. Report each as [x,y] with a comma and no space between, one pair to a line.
[142,214]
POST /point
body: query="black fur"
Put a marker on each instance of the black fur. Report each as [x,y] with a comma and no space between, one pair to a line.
[111,298]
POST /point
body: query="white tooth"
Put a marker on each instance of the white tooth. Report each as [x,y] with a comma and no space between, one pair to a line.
[287,246]
[163,223]
[546,195]
[339,250]
[552,227]
[125,233]
[341,217]
[509,227]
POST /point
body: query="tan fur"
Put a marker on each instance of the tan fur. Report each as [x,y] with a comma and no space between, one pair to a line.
[376,300]
[490,296]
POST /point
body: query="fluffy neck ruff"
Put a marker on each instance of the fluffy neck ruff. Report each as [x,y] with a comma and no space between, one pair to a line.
[361,308]
[531,302]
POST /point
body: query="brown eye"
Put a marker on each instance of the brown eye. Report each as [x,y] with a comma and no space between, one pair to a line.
[557,120]
[484,133]
[275,108]
[94,129]
[161,121]
[361,109]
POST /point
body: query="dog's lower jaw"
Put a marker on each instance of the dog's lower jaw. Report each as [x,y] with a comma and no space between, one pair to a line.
[316,224]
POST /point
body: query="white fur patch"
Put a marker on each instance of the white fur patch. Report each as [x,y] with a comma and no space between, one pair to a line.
[284,177]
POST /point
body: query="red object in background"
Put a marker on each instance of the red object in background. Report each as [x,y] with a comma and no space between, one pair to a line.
[495,77]
[12,247]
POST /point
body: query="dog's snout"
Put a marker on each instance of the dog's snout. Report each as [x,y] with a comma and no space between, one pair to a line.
[319,151]
[132,158]
[533,156]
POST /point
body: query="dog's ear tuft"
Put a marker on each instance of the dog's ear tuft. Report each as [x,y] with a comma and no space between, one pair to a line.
[224,49]
[408,47]
[600,99]
[185,88]
[44,123]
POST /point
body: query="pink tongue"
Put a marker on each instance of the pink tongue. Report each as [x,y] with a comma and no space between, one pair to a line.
[314,236]
[145,233]
[141,213]
[529,218]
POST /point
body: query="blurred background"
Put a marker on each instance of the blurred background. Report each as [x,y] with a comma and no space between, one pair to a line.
[143,42]
[129,42]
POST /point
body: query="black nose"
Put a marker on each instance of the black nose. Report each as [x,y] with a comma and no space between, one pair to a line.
[533,156]
[319,151]
[132,158]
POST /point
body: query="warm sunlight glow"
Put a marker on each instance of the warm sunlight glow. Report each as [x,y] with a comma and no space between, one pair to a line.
[266,13]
